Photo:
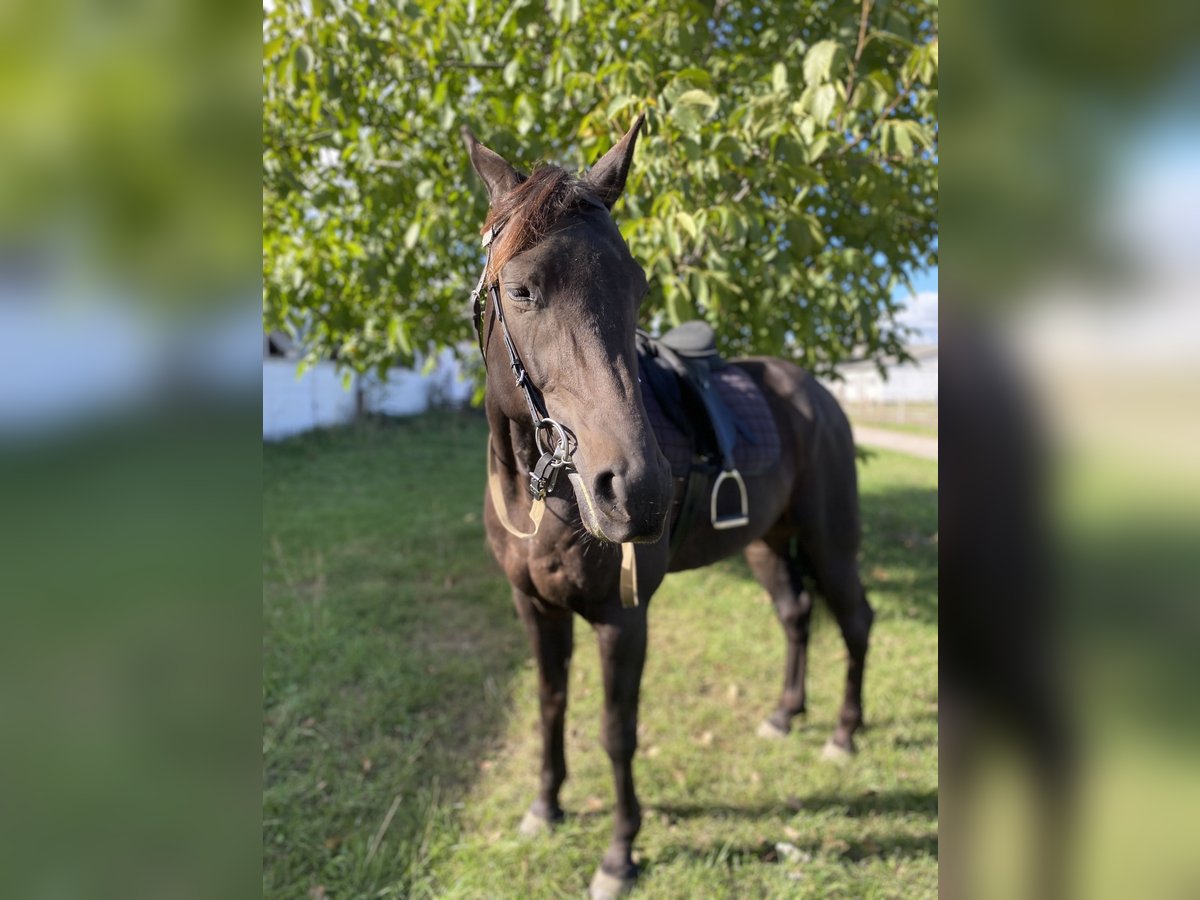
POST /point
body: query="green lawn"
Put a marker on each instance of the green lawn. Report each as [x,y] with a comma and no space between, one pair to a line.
[400,741]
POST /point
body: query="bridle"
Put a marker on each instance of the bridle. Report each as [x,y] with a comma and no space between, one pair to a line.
[556,449]
[559,443]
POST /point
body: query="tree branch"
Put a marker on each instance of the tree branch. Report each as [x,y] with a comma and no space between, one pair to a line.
[858,51]
[901,95]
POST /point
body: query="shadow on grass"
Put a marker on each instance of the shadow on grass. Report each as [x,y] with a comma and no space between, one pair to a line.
[736,855]
[865,805]
[388,650]
[871,803]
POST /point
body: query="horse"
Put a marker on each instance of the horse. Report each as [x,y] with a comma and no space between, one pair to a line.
[556,312]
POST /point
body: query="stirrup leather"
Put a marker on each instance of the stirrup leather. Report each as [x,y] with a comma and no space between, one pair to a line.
[720,523]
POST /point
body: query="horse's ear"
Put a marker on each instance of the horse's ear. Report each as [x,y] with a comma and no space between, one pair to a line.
[607,177]
[493,169]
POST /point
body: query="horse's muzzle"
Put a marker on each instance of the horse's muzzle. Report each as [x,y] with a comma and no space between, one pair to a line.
[627,504]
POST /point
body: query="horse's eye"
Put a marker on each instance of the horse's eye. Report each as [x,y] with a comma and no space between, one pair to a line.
[519,293]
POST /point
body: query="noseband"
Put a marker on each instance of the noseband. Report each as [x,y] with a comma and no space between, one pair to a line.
[559,442]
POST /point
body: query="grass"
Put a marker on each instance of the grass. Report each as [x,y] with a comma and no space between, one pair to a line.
[400,738]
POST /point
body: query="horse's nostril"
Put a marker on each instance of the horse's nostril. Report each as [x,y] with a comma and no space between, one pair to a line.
[606,488]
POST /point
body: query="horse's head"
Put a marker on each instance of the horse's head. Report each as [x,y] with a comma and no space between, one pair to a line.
[570,292]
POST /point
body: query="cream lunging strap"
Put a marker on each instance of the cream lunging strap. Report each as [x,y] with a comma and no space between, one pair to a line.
[629,587]
[536,511]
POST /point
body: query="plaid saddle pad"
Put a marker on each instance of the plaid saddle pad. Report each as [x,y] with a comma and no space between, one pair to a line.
[757,446]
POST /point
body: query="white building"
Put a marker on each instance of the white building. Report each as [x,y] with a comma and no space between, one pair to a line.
[914,381]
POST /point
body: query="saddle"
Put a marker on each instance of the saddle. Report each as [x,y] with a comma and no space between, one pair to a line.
[710,419]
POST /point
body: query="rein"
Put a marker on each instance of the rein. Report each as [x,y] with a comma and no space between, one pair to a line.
[560,442]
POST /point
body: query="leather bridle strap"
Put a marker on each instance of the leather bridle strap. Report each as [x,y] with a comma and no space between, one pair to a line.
[537,412]
[557,447]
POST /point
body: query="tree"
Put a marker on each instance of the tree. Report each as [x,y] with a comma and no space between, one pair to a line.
[785,182]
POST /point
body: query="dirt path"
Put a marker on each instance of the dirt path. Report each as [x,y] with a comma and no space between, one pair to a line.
[912,444]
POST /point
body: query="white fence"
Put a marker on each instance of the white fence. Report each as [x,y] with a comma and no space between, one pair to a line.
[295,404]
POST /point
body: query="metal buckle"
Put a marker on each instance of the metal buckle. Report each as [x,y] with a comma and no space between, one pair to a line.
[738,521]
[544,475]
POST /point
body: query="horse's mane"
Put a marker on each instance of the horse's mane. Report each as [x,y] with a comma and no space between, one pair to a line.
[530,210]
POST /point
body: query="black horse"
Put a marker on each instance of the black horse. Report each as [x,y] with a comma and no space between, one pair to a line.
[559,309]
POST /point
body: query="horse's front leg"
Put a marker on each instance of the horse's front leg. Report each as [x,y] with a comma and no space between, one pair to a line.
[551,637]
[622,655]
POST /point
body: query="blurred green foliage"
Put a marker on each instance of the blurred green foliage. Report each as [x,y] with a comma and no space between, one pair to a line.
[1050,99]
[784,184]
[127,149]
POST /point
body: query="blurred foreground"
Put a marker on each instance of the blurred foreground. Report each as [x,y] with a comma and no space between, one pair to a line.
[130,342]
[1071,499]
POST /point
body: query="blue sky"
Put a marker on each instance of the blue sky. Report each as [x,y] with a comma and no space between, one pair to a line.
[921,306]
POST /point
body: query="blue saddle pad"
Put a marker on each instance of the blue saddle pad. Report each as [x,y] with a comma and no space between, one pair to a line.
[753,454]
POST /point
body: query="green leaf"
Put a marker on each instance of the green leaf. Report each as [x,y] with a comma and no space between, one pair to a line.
[692,108]
[687,223]
[779,78]
[817,148]
[397,337]
[617,105]
[510,72]
[412,234]
[818,61]
[673,241]
[698,98]
[821,103]
[693,75]
[702,291]
[303,59]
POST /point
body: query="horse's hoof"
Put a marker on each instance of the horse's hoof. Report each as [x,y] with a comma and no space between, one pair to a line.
[610,887]
[768,729]
[533,825]
[835,752]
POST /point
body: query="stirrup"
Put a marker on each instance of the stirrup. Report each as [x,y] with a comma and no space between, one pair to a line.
[720,523]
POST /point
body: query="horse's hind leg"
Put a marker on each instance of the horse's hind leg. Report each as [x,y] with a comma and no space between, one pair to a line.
[843,591]
[551,637]
[778,569]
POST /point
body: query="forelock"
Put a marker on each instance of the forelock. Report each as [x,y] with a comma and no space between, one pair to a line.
[527,213]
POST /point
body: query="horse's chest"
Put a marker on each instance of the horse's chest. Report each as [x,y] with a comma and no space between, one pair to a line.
[566,575]
[561,565]
[557,576]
